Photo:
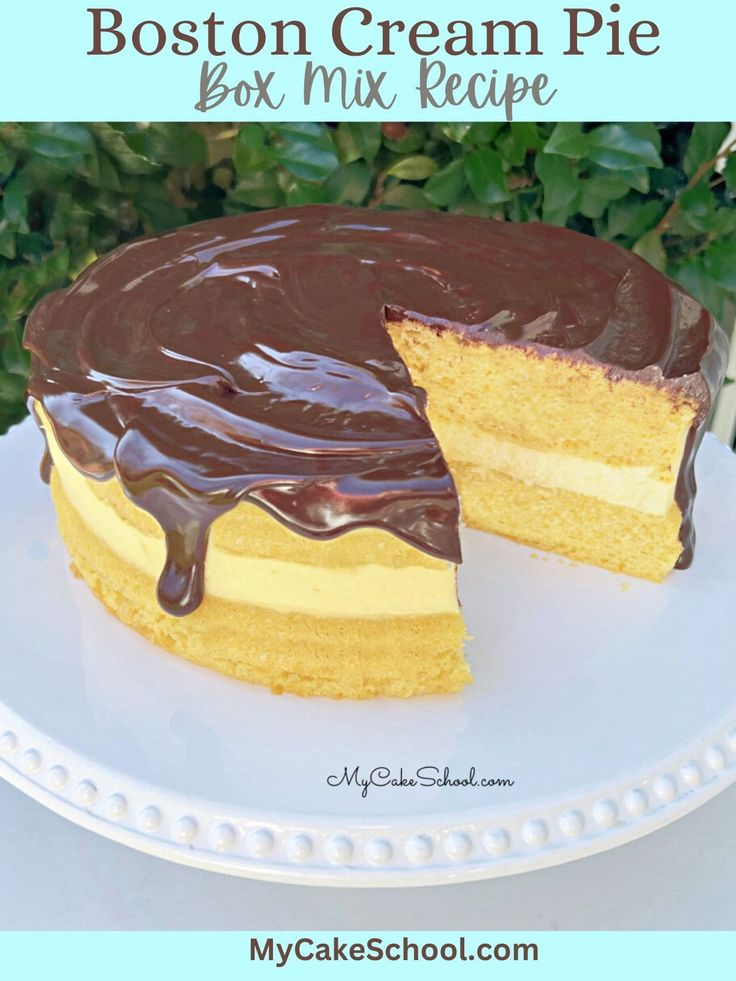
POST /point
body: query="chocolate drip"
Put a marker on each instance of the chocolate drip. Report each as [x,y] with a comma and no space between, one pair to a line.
[685,498]
[247,359]
[712,373]
[181,584]
[44,467]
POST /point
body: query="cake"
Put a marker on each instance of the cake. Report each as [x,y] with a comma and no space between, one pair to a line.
[266,429]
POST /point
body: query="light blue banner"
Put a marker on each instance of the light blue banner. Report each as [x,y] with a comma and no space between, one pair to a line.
[405,59]
[194,956]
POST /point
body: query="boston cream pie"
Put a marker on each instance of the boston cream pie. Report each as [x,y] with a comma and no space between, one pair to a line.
[264,429]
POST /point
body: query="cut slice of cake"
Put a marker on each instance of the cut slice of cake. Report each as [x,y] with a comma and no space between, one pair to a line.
[556,452]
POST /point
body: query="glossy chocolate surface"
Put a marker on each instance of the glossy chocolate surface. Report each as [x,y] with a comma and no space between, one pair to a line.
[247,359]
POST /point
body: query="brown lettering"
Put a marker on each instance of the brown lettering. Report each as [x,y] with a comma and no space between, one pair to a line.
[337,29]
[98,30]
[642,30]
[136,37]
[280,48]
[423,29]
[188,37]
[491,26]
[260,37]
[576,31]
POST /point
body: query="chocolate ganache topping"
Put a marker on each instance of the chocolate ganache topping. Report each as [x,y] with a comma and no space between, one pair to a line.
[246,358]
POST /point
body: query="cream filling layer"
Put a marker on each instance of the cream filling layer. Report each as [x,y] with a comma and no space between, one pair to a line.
[369,590]
[639,488]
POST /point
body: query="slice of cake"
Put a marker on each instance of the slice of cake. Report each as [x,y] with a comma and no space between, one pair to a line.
[560,453]
[246,468]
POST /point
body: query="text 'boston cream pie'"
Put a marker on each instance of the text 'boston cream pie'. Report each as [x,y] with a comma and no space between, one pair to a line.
[266,429]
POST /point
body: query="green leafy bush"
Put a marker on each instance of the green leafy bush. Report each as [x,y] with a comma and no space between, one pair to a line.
[71,191]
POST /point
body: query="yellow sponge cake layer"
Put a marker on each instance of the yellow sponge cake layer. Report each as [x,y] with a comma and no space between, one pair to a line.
[553,452]
[316,619]
[580,527]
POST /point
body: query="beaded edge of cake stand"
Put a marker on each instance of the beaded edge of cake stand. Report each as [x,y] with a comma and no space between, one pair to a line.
[376,851]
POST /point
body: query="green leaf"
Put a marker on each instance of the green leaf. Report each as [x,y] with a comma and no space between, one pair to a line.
[650,247]
[161,215]
[303,192]
[414,140]
[705,142]
[51,271]
[698,207]
[8,159]
[447,184]
[407,196]
[115,141]
[483,133]
[516,142]
[598,191]
[12,388]
[455,132]
[632,217]
[723,222]
[695,279]
[60,139]
[568,140]
[358,141]
[468,204]
[719,263]
[70,222]
[14,357]
[350,184]
[7,240]
[485,175]
[559,217]
[639,178]
[260,190]
[11,412]
[561,186]
[106,204]
[34,248]
[668,182]
[87,167]
[623,146]
[108,175]
[15,201]
[729,173]
[250,151]
[413,168]
[304,149]
[177,144]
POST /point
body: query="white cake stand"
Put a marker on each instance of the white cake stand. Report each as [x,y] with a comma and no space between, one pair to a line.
[609,702]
